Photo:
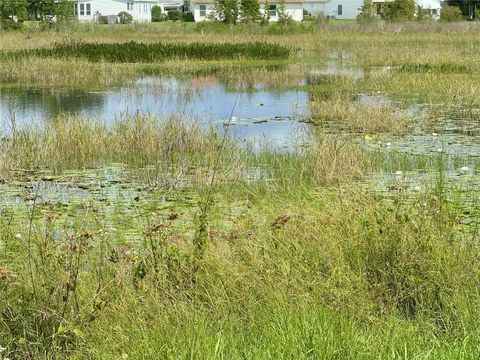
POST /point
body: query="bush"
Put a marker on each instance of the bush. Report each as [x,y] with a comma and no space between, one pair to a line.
[102,19]
[188,17]
[451,14]
[156,13]
[125,18]
[9,24]
[401,10]
[174,15]
[321,19]
[368,13]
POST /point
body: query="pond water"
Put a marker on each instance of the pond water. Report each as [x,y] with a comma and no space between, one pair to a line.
[259,115]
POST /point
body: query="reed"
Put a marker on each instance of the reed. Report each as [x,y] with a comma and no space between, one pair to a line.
[133,52]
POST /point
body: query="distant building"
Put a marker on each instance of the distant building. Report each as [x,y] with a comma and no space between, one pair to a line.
[334,9]
[294,8]
[349,9]
[140,10]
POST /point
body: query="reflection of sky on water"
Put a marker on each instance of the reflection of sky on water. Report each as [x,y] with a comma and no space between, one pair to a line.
[208,101]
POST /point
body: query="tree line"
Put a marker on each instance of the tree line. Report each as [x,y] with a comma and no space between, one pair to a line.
[14,11]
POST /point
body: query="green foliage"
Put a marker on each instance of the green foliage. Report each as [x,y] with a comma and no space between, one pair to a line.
[61,10]
[12,10]
[156,13]
[102,19]
[226,11]
[282,14]
[138,52]
[188,17]
[174,15]
[400,10]
[368,13]
[266,13]
[9,24]
[125,18]
[451,14]
[423,15]
[250,11]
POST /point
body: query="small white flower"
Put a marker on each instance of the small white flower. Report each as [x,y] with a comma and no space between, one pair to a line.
[434,134]
[17,236]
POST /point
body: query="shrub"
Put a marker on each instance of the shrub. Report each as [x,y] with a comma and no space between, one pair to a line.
[321,19]
[188,17]
[250,11]
[125,18]
[283,16]
[102,19]
[174,15]
[401,10]
[451,14]
[227,11]
[9,24]
[156,13]
[368,13]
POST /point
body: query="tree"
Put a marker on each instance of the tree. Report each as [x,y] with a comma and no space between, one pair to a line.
[451,14]
[47,9]
[124,17]
[156,13]
[368,13]
[250,11]
[400,10]
[423,15]
[13,10]
[266,13]
[226,11]
[283,16]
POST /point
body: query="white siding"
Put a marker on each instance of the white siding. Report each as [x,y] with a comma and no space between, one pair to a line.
[196,11]
[314,7]
[295,10]
[350,8]
[141,9]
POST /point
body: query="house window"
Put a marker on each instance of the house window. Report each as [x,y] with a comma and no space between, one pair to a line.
[340,10]
[82,9]
[203,10]
[75,9]
[88,9]
[272,11]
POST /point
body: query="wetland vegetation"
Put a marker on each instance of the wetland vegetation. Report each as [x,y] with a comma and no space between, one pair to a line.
[133,229]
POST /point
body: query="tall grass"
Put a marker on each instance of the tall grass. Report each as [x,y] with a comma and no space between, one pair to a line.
[133,52]
[72,142]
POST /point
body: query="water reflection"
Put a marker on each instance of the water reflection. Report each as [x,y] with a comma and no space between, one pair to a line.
[262,114]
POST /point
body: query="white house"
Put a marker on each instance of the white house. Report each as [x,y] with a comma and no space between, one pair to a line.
[140,10]
[349,9]
[335,9]
[294,8]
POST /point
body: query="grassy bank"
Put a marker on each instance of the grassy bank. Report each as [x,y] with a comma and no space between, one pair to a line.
[298,262]
[151,238]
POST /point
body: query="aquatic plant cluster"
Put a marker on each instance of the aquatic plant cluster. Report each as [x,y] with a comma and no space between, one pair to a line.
[132,52]
[149,237]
